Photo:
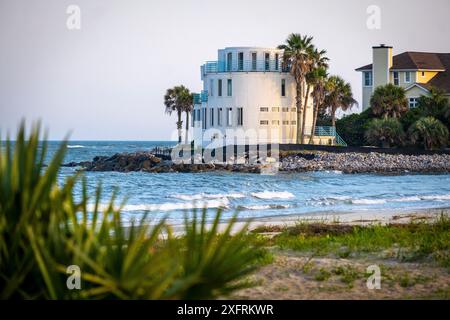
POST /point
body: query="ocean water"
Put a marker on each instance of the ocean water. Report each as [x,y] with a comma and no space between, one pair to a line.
[253,195]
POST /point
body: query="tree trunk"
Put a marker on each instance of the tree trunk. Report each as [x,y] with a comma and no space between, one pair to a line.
[333,117]
[179,126]
[313,127]
[299,99]
[186,138]
[308,88]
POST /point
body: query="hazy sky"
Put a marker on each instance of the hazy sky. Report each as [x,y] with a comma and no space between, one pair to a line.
[106,81]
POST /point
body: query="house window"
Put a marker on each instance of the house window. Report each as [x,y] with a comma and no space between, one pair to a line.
[285,109]
[253,61]
[275,109]
[211,87]
[229,61]
[423,74]
[413,102]
[204,118]
[285,122]
[396,80]
[219,87]
[240,119]
[198,118]
[407,77]
[229,88]
[277,61]
[275,122]
[283,87]
[368,78]
[240,61]
[219,116]
[294,109]
[264,109]
[229,116]
[266,61]
[211,115]
[264,122]
[293,122]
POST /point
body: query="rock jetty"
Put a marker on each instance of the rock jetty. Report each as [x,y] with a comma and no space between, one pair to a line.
[301,162]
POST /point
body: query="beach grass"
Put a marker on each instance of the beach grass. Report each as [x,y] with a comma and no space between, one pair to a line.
[405,241]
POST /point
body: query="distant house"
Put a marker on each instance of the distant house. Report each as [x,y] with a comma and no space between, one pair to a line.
[414,71]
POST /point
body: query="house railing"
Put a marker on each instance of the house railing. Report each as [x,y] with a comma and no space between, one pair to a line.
[270,65]
[201,97]
[328,131]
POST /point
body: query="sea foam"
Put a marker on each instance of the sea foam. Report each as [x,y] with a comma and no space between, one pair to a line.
[273,195]
[200,196]
[170,206]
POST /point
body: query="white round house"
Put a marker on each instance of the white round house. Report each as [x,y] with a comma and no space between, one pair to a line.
[247,98]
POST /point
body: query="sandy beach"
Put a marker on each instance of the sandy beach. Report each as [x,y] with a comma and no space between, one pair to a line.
[301,274]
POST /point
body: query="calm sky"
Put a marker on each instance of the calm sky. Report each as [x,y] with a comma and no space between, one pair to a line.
[106,81]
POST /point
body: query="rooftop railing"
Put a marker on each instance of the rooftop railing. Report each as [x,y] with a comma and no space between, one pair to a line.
[269,65]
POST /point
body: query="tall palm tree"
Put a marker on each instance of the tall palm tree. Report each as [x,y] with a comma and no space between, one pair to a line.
[338,95]
[179,99]
[296,55]
[319,79]
[317,60]
[389,101]
[188,106]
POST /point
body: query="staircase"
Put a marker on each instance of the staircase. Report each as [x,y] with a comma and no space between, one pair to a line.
[329,131]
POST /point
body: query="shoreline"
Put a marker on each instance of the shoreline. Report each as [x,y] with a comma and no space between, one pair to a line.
[357,218]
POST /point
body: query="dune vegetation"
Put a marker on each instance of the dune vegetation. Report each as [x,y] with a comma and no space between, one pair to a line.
[45,233]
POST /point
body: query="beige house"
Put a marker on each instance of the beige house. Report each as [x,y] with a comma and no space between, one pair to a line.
[414,71]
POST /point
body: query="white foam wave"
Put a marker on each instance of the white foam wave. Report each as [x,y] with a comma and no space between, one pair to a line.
[273,195]
[73,146]
[200,196]
[436,197]
[407,199]
[402,199]
[265,206]
[368,201]
[171,206]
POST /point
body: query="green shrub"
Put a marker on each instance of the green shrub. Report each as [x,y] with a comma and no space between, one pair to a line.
[429,132]
[44,229]
[410,117]
[352,127]
[384,132]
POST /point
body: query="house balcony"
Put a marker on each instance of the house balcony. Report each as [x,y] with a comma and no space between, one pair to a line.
[201,97]
[243,66]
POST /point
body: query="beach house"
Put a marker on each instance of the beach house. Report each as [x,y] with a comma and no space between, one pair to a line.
[249,97]
[417,72]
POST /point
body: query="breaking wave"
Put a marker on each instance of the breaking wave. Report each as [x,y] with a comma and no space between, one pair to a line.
[273,195]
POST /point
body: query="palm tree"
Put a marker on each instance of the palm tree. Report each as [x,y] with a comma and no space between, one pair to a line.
[435,104]
[389,101]
[179,99]
[338,94]
[319,79]
[317,61]
[430,131]
[384,132]
[188,106]
[297,50]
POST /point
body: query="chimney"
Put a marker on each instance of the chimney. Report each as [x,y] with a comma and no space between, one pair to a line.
[382,62]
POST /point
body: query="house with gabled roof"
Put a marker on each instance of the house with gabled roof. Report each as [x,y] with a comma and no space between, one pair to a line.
[417,72]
